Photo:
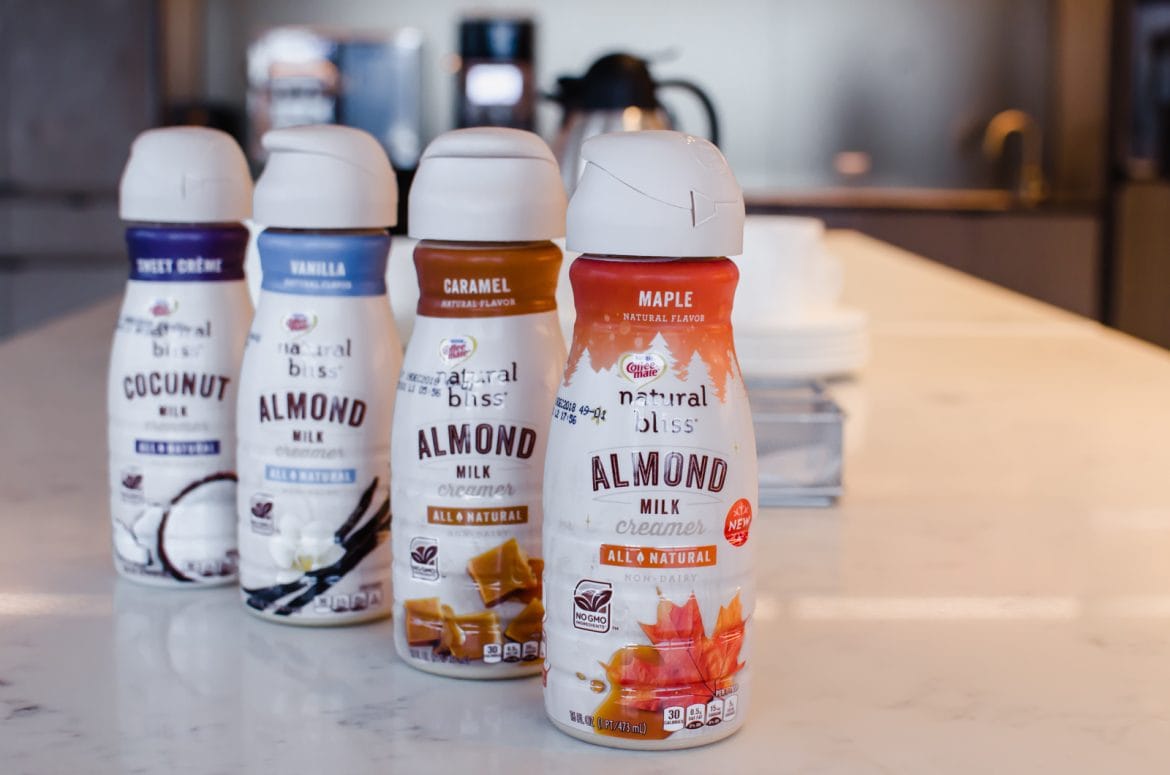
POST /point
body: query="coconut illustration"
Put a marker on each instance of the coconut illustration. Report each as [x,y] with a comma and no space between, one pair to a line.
[197,531]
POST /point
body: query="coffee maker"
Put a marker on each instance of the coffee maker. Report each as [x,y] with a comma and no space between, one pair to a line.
[616,94]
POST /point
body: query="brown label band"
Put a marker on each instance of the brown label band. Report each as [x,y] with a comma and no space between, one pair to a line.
[486,281]
[499,517]
[653,557]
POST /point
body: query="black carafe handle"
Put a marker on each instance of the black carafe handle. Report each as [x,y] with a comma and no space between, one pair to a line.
[712,119]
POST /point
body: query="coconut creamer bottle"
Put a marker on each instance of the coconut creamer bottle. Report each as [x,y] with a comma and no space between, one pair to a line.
[474,400]
[176,354]
[650,480]
[317,385]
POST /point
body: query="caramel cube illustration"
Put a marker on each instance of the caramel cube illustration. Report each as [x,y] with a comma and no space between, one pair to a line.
[449,632]
[501,571]
[424,621]
[464,637]
[528,594]
[528,623]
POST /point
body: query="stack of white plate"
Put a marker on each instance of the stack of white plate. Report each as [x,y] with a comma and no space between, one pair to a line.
[829,343]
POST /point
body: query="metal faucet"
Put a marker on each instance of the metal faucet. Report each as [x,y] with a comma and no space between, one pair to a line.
[1030,188]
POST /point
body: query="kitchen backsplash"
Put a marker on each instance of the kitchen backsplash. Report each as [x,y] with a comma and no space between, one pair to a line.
[794,82]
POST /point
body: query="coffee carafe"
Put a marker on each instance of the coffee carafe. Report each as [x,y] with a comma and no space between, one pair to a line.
[616,94]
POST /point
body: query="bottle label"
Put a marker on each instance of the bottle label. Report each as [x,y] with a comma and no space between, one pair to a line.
[474,402]
[172,399]
[650,486]
[316,400]
[323,264]
[186,254]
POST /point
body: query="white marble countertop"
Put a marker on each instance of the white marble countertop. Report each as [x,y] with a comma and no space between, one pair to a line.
[992,594]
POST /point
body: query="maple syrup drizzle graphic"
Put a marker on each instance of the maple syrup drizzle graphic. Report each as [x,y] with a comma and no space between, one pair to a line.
[608,292]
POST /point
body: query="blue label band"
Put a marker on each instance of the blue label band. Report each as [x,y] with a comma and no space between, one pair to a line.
[290,475]
[187,253]
[313,264]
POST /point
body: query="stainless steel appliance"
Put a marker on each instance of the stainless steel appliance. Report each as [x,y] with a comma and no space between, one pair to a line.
[616,94]
[496,84]
[308,75]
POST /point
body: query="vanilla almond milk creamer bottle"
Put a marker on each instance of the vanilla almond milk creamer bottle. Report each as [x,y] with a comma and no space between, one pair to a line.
[176,356]
[650,480]
[317,385]
[474,400]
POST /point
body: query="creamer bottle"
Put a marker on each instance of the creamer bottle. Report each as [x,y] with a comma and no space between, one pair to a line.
[317,385]
[650,479]
[176,354]
[474,400]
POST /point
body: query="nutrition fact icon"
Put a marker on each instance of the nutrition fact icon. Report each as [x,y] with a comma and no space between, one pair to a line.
[698,715]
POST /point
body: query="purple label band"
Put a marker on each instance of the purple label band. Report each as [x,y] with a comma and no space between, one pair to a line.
[187,253]
[179,448]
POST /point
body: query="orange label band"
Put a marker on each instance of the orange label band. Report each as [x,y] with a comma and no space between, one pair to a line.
[509,515]
[465,280]
[651,557]
[622,306]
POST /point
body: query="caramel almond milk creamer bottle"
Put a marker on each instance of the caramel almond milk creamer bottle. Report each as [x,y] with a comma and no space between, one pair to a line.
[650,479]
[472,416]
[176,356]
[317,385]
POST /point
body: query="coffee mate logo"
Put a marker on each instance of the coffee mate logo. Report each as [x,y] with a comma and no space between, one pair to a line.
[456,349]
[642,368]
[160,308]
[299,323]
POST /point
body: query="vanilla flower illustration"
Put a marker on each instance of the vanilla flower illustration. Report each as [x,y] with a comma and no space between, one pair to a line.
[301,545]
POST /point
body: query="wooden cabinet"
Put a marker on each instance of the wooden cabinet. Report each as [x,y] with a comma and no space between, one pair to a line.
[1141,265]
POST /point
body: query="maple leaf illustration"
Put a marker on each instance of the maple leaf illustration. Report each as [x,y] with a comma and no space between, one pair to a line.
[681,666]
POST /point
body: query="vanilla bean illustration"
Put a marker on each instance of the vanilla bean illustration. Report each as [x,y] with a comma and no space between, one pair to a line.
[218,476]
[356,514]
[361,543]
[356,545]
[377,523]
[263,597]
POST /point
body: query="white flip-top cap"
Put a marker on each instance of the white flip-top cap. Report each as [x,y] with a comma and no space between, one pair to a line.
[487,184]
[185,174]
[325,177]
[655,193]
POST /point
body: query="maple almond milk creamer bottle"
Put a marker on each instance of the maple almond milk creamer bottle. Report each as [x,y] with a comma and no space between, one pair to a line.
[317,385]
[650,478]
[176,356]
[474,401]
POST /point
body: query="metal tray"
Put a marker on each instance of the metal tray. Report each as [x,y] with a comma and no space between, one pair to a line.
[799,434]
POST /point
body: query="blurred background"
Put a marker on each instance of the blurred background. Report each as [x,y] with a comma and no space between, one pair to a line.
[1023,141]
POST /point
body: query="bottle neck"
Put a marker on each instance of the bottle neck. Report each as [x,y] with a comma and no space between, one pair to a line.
[327,232]
[654,292]
[324,263]
[486,279]
[645,317]
[186,252]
